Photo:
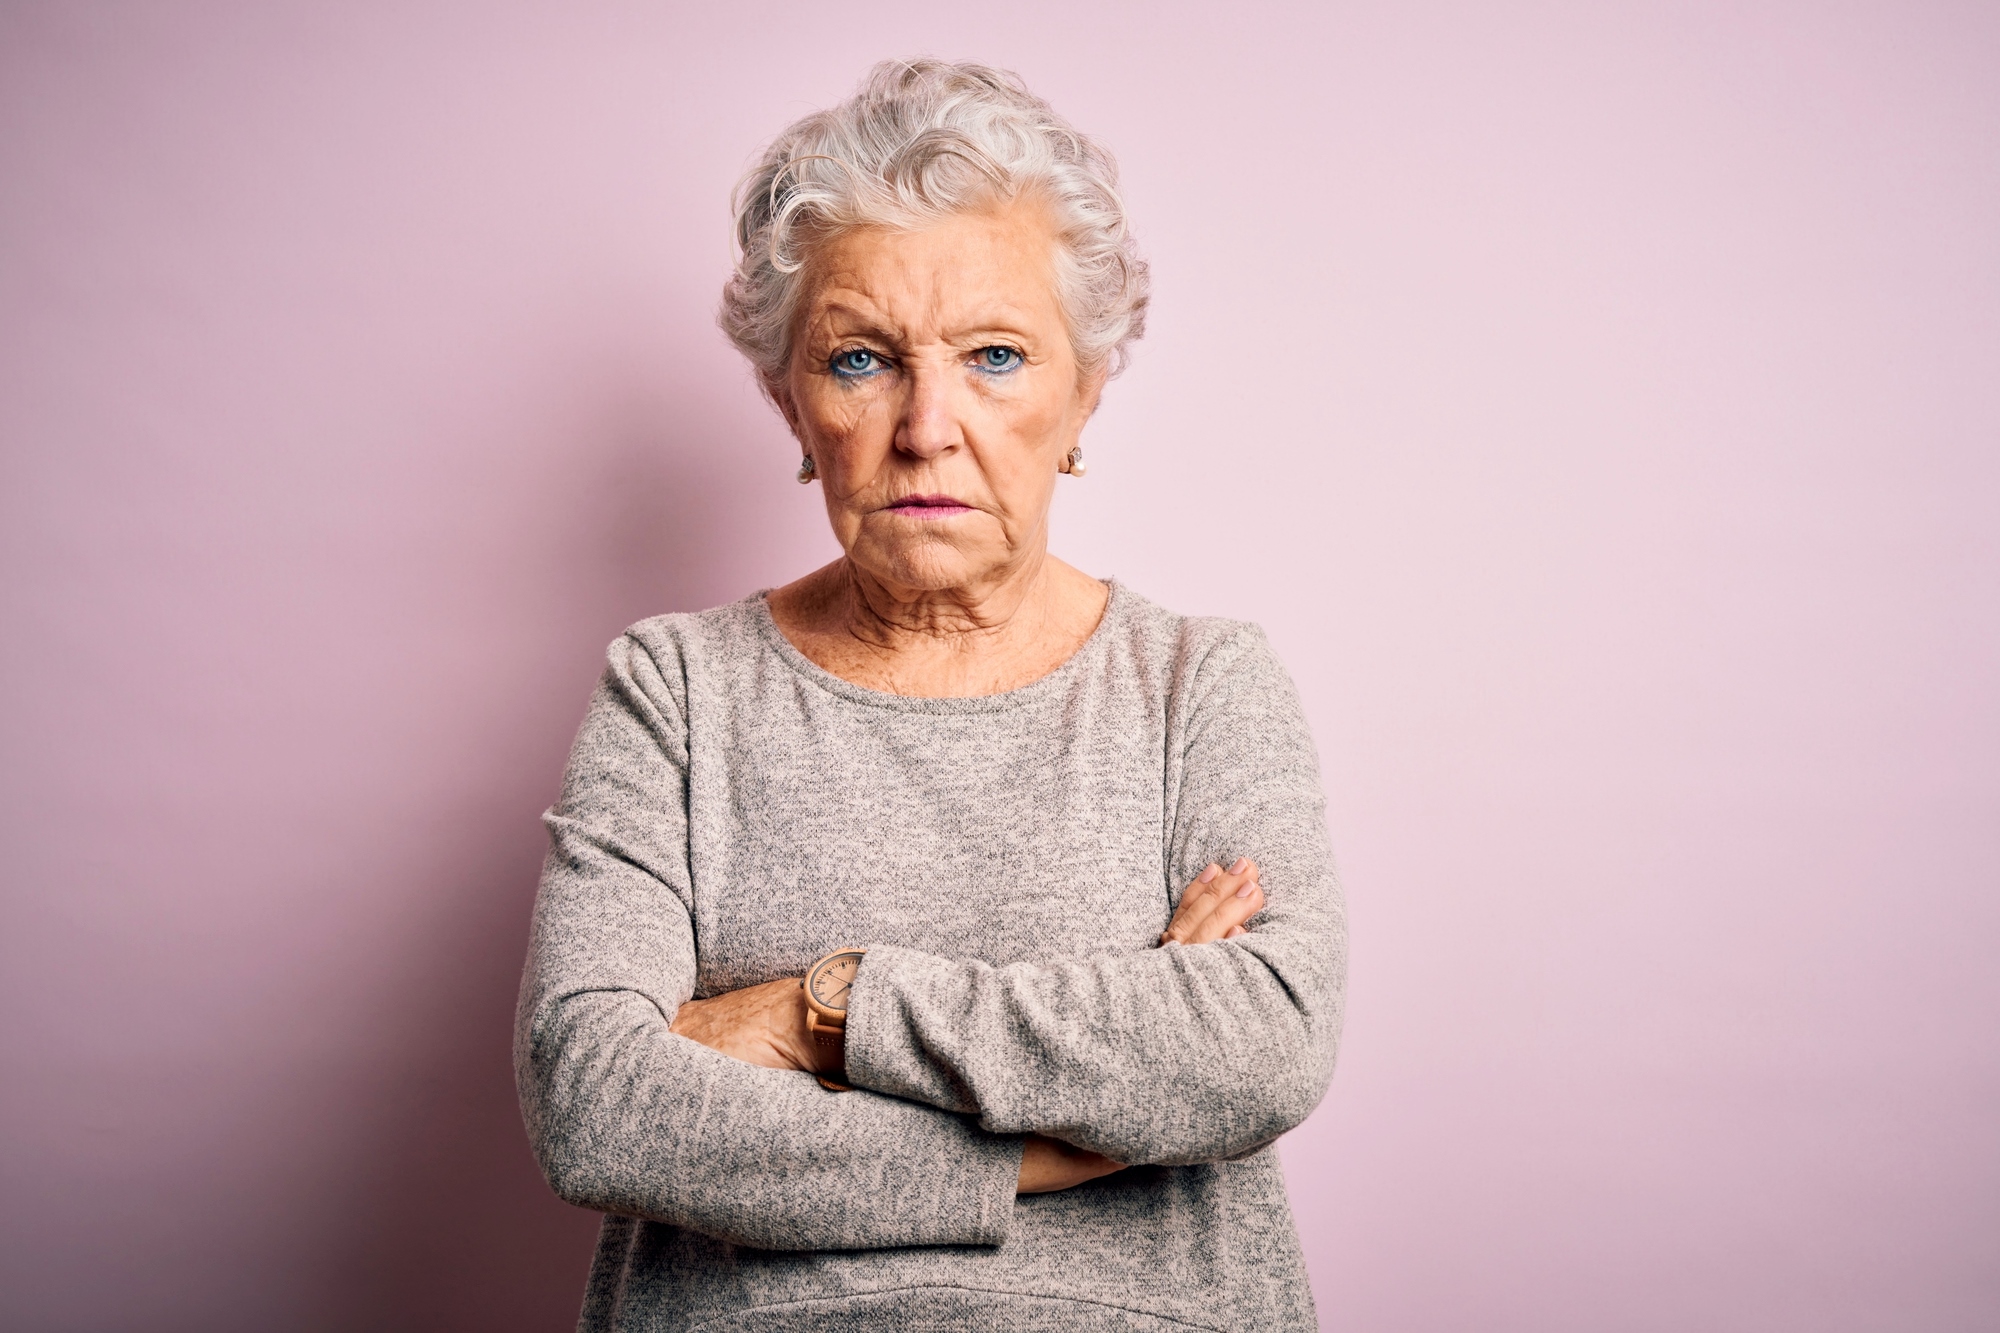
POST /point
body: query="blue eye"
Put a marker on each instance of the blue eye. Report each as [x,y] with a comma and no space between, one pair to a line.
[855,361]
[996,359]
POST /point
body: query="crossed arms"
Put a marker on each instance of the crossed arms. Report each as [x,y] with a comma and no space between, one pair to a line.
[974,1082]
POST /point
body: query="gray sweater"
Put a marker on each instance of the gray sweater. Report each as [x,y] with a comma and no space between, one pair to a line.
[732,812]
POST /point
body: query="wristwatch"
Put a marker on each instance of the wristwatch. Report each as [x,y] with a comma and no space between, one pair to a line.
[826,984]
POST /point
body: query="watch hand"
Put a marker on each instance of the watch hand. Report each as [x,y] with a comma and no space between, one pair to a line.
[842,991]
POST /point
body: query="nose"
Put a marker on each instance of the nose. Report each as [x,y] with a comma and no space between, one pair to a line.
[929,426]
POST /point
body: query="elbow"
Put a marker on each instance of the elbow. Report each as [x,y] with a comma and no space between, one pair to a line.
[595,1182]
[1279,1081]
[1285,1090]
[1282,1104]
[1260,1074]
[585,1171]
[582,1188]
[572,1127]
[602,1183]
[575,1171]
[1245,1105]
[1261,1111]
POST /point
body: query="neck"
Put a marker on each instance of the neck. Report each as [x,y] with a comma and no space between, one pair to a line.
[969,619]
[982,638]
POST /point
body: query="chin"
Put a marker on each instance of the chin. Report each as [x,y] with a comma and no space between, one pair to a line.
[931,566]
[933,575]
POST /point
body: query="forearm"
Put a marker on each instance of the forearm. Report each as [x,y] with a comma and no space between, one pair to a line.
[1175,1055]
[627,1118]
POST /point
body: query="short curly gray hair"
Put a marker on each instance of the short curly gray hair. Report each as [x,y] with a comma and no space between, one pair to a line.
[923,139]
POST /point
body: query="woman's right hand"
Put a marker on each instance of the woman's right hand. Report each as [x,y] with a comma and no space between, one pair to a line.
[1217,905]
[1048,1165]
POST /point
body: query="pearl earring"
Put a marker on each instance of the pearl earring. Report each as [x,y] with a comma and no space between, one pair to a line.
[806,470]
[1073,462]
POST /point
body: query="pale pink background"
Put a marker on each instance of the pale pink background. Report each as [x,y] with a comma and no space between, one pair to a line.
[1599,404]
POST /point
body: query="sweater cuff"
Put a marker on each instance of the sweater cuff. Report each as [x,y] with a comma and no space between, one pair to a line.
[885,1051]
[885,1055]
[989,1182]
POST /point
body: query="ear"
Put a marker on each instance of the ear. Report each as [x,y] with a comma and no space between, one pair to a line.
[780,394]
[1090,390]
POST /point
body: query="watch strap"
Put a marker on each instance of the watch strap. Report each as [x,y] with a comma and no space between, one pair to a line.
[830,1040]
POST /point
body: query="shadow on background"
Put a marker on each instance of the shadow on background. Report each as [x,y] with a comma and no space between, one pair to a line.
[450,1225]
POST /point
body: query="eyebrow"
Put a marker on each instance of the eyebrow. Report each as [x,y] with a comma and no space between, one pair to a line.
[848,314]
[1005,320]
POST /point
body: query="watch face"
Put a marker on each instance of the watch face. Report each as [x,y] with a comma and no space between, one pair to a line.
[830,980]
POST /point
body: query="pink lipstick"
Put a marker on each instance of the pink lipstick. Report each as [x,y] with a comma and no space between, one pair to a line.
[928,506]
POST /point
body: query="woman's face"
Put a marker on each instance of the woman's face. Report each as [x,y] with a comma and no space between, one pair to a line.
[933,385]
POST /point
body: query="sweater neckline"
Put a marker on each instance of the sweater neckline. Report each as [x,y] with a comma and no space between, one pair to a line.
[1033,692]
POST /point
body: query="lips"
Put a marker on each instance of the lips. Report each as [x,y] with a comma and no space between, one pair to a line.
[929,506]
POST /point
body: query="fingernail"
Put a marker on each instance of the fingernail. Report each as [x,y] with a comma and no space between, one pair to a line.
[1242,864]
[1248,888]
[1208,875]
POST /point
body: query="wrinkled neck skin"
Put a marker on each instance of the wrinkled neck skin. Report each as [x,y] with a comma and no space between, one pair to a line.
[966,620]
[998,634]
[981,639]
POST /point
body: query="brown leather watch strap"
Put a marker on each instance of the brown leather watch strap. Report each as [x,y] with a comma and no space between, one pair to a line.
[826,984]
[830,1041]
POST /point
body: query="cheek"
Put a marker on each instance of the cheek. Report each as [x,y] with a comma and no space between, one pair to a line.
[1023,480]
[841,418]
[1040,423]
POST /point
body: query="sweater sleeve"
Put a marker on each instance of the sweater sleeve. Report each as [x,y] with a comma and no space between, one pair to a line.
[1171,1055]
[627,1117]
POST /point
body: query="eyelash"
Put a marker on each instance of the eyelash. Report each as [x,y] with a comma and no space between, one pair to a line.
[879,364]
[850,372]
[1015,363]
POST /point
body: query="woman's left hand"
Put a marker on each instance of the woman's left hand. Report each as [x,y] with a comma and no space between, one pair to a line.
[1217,906]
[760,1025]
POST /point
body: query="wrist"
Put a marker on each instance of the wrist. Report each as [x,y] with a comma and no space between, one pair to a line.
[824,990]
[827,1043]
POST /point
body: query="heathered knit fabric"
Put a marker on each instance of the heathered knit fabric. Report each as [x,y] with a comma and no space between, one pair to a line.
[732,812]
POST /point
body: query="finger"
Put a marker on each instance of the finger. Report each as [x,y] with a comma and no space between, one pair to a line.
[1234,931]
[1198,903]
[1197,900]
[1196,913]
[1206,916]
[1235,911]
[1232,909]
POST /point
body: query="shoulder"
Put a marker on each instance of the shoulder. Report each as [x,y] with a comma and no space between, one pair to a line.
[1189,652]
[658,658]
[1219,682]
[728,631]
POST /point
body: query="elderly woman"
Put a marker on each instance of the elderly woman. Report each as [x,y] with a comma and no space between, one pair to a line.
[942,940]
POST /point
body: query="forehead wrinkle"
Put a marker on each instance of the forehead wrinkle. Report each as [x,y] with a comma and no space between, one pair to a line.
[855,311]
[863,315]
[934,297]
